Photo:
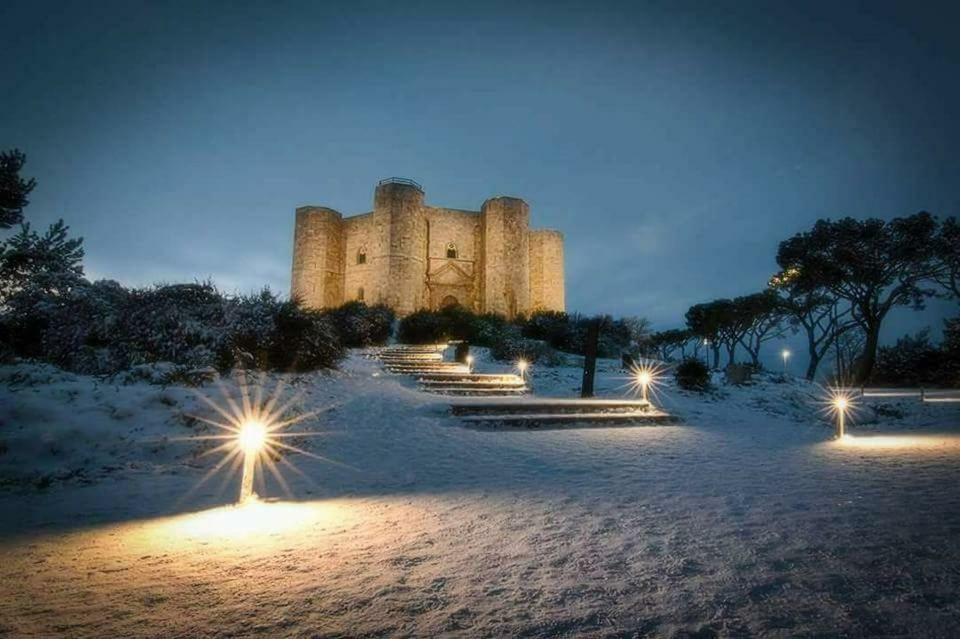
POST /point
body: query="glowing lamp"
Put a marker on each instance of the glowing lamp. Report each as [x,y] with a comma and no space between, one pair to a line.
[252,437]
[469,361]
[644,377]
[522,366]
[841,404]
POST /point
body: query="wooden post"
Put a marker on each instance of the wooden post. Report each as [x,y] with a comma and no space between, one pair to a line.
[590,358]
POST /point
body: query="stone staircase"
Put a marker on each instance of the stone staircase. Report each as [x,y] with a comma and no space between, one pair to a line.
[435,375]
[491,400]
[555,413]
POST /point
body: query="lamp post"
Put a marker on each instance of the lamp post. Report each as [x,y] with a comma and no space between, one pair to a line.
[786,355]
[522,366]
[251,439]
[469,361]
[841,404]
[644,378]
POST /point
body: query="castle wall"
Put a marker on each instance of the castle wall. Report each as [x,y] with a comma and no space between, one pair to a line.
[505,288]
[360,232]
[317,277]
[456,278]
[546,271]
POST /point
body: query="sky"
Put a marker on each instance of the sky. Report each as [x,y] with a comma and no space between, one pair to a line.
[674,143]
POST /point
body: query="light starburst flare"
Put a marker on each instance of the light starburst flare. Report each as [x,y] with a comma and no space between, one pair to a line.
[646,376]
[838,403]
[251,434]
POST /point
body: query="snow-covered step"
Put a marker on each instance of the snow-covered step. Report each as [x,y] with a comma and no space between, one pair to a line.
[467,376]
[532,420]
[451,368]
[413,357]
[551,406]
[476,390]
[468,383]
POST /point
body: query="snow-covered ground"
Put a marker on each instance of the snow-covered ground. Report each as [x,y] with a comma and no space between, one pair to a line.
[743,519]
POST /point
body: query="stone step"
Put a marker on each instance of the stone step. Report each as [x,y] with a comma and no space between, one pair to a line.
[534,420]
[551,406]
[468,384]
[418,357]
[477,391]
[438,367]
[467,376]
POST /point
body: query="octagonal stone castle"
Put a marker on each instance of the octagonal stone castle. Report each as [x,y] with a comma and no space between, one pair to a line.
[409,255]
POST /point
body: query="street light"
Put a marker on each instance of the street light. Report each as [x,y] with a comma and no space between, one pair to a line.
[251,439]
[786,355]
[522,366]
[469,361]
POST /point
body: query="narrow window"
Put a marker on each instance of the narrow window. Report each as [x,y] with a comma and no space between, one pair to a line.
[362,255]
[360,293]
[452,251]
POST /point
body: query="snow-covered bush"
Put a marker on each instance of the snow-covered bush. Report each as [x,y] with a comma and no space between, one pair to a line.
[304,340]
[249,327]
[422,327]
[83,327]
[103,328]
[360,325]
[531,350]
[692,374]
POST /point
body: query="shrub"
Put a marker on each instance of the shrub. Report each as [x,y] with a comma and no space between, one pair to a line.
[914,361]
[103,328]
[692,374]
[304,340]
[533,351]
[360,325]
[421,327]
[451,323]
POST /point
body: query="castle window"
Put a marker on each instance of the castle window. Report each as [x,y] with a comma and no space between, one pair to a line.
[452,251]
[360,293]
[362,257]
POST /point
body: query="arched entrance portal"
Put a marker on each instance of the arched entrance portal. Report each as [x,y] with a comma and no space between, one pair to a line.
[448,301]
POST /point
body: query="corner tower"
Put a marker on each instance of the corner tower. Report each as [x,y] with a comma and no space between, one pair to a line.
[504,231]
[401,238]
[317,278]
[546,271]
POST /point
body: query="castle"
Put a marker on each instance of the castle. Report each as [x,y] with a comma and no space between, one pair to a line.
[410,256]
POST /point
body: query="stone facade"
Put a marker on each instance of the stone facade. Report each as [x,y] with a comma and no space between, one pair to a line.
[409,255]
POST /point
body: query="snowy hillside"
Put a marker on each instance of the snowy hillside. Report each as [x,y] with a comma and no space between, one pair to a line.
[744,518]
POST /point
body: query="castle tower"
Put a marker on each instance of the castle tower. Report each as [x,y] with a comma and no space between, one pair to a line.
[546,271]
[317,278]
[401,251]
[505,282]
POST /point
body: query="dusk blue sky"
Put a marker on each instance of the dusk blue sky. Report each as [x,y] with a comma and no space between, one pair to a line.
[674,143]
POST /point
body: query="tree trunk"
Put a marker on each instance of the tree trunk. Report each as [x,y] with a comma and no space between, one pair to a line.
[716,357]
[590,358]
[869,358]
[731,350]
[814,361]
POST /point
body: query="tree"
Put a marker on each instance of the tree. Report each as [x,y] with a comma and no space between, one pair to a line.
[761,316]
[872,264]
[706,322]
[815,311]
[51,263]
[948,251]
[13,189]
[638,328]
[663,344]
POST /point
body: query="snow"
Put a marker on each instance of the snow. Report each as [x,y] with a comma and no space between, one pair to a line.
[744,518]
